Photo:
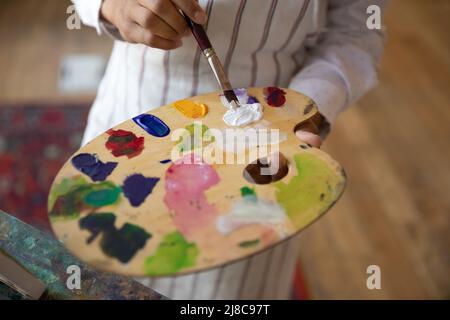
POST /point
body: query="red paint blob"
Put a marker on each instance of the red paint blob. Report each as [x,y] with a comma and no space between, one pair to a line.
[124,143]
[275,97]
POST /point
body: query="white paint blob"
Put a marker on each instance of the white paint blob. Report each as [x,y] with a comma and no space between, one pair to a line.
[245,114]
[250,211]
[249,111]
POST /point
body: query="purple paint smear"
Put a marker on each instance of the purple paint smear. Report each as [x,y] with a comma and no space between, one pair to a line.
[136,188]
[242,95]
[240,92]
[91,166]
[252,100]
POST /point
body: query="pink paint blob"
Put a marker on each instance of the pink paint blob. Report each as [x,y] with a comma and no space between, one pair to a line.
[185,185]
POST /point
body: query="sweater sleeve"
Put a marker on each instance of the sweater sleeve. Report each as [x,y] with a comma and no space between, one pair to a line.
[342,66]
[89,12]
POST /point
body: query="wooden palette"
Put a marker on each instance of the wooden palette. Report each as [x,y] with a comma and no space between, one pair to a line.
[125,202]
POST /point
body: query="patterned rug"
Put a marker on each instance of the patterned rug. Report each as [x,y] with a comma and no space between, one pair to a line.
[35,142]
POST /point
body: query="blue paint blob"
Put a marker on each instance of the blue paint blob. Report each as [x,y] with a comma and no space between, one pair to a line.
[91,166]
[165,161]
[136,188]
[152,125]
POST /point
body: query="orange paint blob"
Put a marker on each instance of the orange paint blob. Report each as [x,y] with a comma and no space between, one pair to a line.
[191,109]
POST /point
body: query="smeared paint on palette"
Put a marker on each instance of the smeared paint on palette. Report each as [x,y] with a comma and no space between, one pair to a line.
[314,176]
[122,243]
[127,204]
[186,183]
[72,196]
[152,125]
[124,143]
[173,254]
[194,137]
[251,211]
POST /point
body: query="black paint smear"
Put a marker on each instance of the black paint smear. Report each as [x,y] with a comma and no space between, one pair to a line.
[120,243]
[306,146]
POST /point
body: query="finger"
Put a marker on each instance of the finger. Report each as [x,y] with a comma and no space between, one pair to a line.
[168,12]
[308,125]
[192,9]
[310,138]
[147,19]
[186,33]
[144,36]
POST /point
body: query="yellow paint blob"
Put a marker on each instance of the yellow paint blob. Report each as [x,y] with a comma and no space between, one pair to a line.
[191,109]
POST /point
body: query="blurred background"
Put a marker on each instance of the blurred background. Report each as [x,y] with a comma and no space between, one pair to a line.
[394,145]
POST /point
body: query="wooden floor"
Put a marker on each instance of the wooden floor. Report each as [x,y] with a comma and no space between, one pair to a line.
[34,39]
[394,146]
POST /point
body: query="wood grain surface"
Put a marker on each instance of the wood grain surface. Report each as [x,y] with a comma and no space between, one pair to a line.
[180,203]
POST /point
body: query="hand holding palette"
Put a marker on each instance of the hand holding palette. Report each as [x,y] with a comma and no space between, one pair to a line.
[169,193]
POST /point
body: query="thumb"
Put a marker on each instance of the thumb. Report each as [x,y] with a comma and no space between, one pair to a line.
[309,137]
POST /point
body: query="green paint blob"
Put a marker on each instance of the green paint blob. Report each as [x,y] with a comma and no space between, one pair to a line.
[173,253]
[248,192]
[103,194]
[315,188]
[72,196]
[196,136]
[64,187]
[249,243]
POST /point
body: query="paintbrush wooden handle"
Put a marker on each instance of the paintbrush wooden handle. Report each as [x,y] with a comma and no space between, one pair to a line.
[199,34]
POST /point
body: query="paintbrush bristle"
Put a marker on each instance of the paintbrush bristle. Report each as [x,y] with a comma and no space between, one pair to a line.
[231,98]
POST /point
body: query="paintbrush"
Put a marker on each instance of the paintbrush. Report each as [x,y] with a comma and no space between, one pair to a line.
[205,45]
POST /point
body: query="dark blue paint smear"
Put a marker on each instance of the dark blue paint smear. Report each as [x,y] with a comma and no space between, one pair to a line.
[165,161]
[91,166]
[152,124]
[121,243]
[137,187]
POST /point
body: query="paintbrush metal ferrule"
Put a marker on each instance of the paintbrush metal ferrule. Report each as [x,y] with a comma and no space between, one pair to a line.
[205,45]
[217,68]
[221,76]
